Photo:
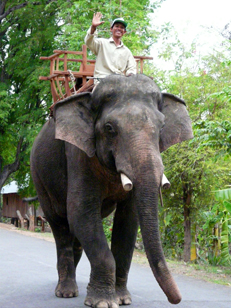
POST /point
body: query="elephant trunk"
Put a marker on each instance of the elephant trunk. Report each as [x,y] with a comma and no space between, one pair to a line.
[145,169]
[146,200]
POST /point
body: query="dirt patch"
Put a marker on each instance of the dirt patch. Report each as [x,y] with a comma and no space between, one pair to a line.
[44,236]
[214,274]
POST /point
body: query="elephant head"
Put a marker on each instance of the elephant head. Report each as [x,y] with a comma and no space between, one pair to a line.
[127,122]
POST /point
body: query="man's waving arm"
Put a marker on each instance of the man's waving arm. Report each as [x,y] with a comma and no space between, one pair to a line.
[91,37]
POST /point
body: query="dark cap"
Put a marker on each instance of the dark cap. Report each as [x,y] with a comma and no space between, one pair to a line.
[119,20]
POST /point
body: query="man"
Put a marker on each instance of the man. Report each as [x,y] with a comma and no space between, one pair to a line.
[113,57]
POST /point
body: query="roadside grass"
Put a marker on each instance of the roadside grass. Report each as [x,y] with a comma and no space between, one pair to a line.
[215,274]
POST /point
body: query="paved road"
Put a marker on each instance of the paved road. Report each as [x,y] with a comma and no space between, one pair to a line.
[28,278]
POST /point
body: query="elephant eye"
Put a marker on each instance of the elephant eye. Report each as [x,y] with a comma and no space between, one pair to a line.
[109,129]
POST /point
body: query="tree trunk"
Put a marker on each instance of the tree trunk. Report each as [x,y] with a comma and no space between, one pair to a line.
[21,219]
[187,224]
[187,234]
[7,170]
[31,220]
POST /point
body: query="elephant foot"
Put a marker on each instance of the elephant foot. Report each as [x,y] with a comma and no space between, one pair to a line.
[67,289]
[123,295]
[98,299]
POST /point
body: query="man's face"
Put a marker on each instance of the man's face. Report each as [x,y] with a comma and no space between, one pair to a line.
[118,30]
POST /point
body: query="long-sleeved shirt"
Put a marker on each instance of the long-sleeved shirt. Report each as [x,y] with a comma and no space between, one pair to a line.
[111,59]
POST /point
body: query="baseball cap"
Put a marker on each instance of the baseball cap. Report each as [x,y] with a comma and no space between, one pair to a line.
[119,20]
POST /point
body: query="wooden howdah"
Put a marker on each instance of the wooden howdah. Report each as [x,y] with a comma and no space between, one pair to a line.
[66,81]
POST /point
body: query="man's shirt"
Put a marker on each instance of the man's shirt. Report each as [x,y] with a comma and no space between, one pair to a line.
[111,59]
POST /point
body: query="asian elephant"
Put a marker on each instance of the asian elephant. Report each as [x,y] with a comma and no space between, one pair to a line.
[77,161]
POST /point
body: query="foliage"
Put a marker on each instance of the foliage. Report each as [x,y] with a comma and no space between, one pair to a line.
[190,180]
[216,230]
[215,135]
[77,16]
[202,164]
[195,172]
[23,100]
[107,227]
[172,231]
[37,229]
[176,53]
[224,198]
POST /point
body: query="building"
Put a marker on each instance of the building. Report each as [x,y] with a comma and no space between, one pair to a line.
[12,202]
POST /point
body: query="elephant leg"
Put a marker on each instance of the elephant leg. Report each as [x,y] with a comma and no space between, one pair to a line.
[87,225]
[123,241]
[68,255]
[66,286]
[84,217]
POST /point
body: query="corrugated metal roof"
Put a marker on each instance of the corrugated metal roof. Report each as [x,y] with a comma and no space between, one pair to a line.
[10,188]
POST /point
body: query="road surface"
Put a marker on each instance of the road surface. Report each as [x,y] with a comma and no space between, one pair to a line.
[28,278]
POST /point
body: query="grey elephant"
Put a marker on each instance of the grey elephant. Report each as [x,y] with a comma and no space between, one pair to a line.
[101,153]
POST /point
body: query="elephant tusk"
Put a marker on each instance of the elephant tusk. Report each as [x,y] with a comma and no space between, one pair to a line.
[126,182]
[165,182]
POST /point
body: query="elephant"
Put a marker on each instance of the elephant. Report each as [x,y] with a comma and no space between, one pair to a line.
[78,160]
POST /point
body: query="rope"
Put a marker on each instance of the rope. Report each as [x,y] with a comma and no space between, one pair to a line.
[72,80]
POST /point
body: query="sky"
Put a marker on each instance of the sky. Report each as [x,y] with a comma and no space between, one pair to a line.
[193,21]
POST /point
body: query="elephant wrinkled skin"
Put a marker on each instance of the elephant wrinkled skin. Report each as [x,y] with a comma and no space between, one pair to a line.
[76,163]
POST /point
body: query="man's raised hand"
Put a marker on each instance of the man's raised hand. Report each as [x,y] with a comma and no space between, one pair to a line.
[96,21]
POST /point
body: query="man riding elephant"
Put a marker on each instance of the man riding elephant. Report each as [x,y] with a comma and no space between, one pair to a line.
[113,57]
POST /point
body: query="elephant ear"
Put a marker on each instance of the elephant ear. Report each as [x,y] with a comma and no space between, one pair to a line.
[178,125]
[74,122]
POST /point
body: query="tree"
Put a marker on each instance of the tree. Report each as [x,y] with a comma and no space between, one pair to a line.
[22,97]
[189,177]
[191,167]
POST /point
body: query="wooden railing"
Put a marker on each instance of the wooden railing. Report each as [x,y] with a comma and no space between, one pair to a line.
[66,82]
